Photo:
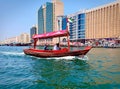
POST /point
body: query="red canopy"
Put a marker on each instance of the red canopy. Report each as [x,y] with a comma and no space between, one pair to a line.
[51,34]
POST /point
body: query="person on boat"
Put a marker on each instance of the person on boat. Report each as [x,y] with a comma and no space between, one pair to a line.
[46,47]
[56,47]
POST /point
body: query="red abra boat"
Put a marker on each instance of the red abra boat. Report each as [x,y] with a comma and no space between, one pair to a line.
[54,53]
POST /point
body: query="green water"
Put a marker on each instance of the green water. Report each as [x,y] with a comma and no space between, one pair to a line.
[100,69]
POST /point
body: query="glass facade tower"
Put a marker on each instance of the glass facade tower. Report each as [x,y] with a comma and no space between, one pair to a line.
[81,26]
[73,28]
[77,27]
[49,17]
[64,23]
[40,20]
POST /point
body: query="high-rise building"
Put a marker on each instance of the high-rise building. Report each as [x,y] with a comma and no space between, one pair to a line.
[33,31]
[47,16]
[41,20]
[58,10]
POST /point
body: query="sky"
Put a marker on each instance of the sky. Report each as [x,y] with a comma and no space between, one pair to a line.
[18,16]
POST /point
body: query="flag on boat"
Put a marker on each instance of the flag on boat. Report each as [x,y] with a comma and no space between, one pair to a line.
[70,20]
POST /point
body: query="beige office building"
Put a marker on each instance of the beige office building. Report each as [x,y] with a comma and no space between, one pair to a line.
[103,21]
[58,10]
[24,38]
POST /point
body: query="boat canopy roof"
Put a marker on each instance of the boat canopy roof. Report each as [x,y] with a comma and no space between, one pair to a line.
[51,34]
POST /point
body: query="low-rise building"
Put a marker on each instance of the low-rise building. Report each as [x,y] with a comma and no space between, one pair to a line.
[24,38]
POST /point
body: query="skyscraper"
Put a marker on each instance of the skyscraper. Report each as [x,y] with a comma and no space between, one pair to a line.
[41,19]
[47,16]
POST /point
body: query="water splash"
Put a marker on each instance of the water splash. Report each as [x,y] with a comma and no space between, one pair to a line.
[82,58]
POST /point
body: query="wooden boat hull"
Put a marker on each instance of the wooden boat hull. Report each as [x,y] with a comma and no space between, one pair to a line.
[55,53]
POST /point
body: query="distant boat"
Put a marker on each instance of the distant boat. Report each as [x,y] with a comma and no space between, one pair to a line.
[54,53]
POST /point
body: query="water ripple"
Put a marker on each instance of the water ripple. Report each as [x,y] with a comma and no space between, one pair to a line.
[99,69]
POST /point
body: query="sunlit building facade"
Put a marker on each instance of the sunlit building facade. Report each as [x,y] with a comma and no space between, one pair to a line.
[41,20]
[24,38]
[103,21]
[47,17]
[62,22]
[62,25]
[77,26]
[96,23]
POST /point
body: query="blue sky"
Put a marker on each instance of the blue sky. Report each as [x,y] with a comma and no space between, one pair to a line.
[18,16]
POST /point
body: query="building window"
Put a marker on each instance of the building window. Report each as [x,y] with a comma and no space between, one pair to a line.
[82,21]
[81,27]
[81,16]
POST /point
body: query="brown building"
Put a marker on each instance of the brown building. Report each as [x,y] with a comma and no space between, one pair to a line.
[58,10]
[103,21]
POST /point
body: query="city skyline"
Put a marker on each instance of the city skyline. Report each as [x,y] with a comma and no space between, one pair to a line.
[19,16]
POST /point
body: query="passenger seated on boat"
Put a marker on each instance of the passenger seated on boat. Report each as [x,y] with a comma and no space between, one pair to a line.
[56,47]
[46,47]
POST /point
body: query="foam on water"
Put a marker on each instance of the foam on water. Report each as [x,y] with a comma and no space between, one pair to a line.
[65,58]
[13,53]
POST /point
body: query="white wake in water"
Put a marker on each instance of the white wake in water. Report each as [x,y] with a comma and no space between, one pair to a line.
[69,58]
[13,53]
[56,58]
